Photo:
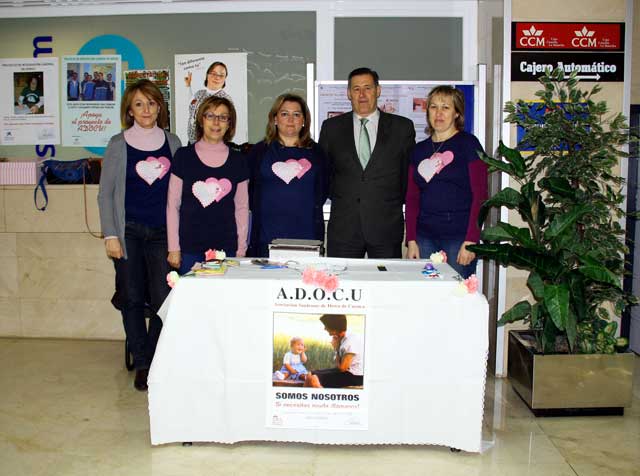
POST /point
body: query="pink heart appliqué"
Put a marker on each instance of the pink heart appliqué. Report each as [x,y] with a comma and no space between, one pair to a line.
[434,164]
[445,159]
[286,171]
[211,190]
[153,168]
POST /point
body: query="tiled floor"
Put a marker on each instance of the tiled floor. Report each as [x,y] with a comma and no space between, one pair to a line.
[69,408]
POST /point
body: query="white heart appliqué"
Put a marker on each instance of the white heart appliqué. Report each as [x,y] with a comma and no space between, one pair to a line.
[153,168]
[211,190]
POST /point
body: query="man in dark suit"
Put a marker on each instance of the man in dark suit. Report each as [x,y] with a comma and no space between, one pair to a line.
[368,152]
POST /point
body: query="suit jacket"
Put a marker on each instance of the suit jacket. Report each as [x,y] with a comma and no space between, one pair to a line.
[367,202]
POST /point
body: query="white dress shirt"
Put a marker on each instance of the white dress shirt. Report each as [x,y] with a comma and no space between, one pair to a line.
[372,128]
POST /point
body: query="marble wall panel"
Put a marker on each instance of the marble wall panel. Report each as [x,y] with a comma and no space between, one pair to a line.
[61,245]
[3,225]
[10,324]
[70,318]
[65,278]
[65,212]
[9,276]
[7,245]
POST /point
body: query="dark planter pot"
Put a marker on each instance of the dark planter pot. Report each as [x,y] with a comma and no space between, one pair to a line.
[569,384]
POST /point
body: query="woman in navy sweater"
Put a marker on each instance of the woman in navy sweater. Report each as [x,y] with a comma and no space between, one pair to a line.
[132,201]
[447,185]
[207,202]
[289,178]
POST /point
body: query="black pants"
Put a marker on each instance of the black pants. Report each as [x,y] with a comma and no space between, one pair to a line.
[143,273]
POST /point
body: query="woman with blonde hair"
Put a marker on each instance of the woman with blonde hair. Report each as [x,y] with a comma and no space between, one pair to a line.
[132,201]
[289,178]
[447,185]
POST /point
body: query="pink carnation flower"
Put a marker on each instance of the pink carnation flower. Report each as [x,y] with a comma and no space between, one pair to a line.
[308,275]
[472,284]
[209,255]
[330,283]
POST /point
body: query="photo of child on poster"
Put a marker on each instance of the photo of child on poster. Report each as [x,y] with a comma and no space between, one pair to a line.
[28,92]
[318,350]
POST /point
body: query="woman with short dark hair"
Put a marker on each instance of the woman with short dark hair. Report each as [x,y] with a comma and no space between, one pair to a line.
[208,199]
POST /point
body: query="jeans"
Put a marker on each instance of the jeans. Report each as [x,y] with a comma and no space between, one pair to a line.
[140,278]
[449,246]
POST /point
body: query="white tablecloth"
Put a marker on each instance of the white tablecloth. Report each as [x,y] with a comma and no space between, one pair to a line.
[425,373]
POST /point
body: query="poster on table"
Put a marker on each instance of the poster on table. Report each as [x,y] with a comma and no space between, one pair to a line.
[403,98]
[159,77]
[190,89]
[29,111]
[90,100]
[303,390]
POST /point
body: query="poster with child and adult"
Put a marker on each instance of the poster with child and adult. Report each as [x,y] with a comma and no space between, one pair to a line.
[317,375]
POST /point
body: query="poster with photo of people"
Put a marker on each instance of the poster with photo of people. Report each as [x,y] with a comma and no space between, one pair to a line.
[198,76]
[316,374]
[90,100]
[159,77]
[29,112]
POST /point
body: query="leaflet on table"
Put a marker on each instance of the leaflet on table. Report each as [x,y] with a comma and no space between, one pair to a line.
[91,100]
[29,112]
[159,77]
[312,348]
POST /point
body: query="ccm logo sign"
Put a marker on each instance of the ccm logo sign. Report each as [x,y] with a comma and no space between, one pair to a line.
[567,36]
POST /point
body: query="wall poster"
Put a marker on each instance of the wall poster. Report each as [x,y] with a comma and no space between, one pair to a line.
[315,331]
[190,89]
[90,100]
[29,111]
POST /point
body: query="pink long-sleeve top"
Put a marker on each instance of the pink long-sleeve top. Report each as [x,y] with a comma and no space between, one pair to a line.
[211,155]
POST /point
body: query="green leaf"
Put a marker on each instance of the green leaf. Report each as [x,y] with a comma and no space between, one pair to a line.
[505,232]
[561,222]
[571,329]
[556,300]
[514,157]
[536,315]
[558,186]
[523,258]
[548,337]
[536,285]
[576,290]
[507,197]
[495,164]
[600,274]
[516,313]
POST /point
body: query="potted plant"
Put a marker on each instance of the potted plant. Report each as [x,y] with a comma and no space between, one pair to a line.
[571,242]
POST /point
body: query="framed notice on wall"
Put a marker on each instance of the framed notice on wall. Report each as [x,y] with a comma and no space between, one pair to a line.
[29,112]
